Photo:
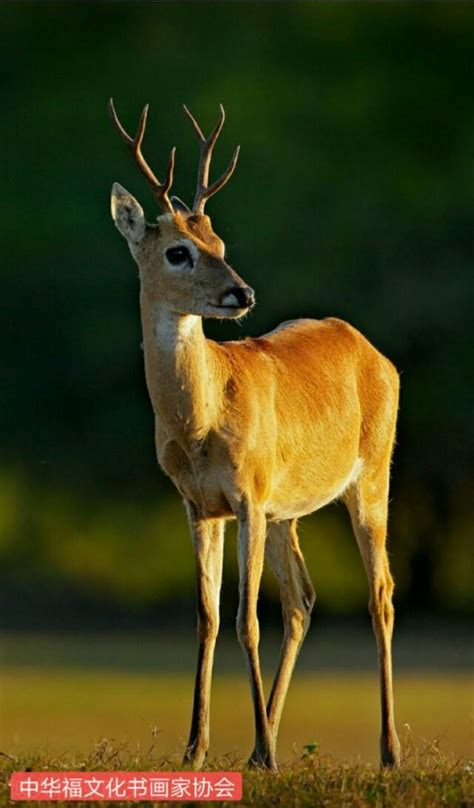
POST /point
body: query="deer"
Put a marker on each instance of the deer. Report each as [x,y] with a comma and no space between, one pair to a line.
[260,430]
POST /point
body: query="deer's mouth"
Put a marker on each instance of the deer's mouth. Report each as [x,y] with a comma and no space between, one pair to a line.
[218,310]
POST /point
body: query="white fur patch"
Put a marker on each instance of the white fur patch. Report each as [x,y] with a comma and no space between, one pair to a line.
[169,329]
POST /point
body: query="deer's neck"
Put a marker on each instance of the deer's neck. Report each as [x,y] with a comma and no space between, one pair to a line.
[181,372]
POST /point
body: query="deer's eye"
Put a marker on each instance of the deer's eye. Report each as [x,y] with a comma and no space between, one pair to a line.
[179,255]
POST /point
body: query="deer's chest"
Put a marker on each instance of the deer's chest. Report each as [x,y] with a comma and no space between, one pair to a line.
[193,474]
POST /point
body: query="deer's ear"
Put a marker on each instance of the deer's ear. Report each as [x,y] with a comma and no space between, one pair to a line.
[179,206]
[127,214]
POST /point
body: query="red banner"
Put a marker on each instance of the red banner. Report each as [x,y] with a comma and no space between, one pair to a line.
[157,786]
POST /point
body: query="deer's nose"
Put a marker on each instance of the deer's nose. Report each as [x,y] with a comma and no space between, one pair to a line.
[241,297]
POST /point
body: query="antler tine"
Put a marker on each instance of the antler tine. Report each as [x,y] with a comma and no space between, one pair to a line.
[218,184]
[194,122]
[160,190]
[203,192]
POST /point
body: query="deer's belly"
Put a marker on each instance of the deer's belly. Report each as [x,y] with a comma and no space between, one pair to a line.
[308,498]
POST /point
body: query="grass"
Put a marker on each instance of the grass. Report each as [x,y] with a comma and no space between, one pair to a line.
[425,780]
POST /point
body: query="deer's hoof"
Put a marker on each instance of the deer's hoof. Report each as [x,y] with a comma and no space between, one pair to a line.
[262,760]
[195,758]
[390,753]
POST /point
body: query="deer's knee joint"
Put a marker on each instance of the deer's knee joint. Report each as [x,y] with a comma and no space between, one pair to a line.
[208,618]
[208,626]
[297,622]
[380,603]
[248,632]
[297,616]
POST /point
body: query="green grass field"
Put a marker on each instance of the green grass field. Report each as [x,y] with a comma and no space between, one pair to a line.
[65,718]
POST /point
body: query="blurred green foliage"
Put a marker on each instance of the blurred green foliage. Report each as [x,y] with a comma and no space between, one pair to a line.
[353,197]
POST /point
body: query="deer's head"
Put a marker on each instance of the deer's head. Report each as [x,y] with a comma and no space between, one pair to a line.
[181,259]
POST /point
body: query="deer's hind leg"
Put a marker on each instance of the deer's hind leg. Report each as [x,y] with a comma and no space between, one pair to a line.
[282,551]
[367,502]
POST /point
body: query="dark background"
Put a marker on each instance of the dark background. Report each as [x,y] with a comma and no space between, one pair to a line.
[353,197]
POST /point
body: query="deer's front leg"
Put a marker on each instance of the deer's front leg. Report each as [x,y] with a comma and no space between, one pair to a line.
[208,540]
[251,547]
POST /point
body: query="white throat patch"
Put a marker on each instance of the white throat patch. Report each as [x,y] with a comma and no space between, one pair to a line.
[170,329]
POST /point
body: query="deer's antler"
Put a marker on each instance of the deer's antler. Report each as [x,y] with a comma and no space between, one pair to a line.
[160,190]
[203,190]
